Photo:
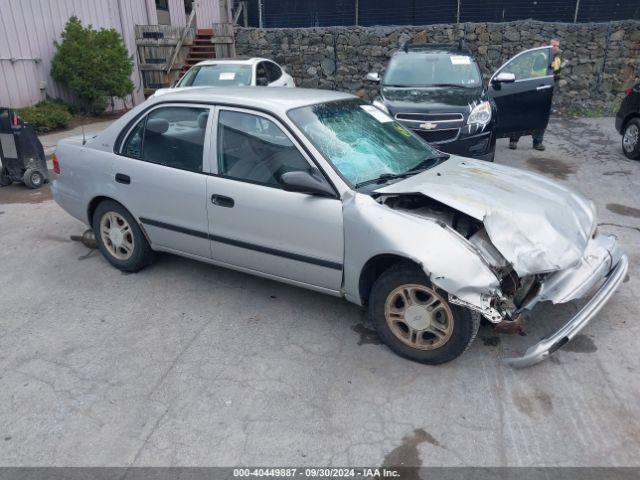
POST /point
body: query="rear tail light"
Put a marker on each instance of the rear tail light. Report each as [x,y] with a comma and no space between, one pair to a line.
[56,164]
[629,90]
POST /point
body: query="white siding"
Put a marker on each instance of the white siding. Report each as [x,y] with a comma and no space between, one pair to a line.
[28,29]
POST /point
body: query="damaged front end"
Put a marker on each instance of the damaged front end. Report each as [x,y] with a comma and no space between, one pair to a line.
[537,237]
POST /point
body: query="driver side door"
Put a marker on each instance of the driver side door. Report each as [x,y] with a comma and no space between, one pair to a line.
[524,105]
[257,226]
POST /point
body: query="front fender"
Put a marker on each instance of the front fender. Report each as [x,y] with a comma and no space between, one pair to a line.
[452,263]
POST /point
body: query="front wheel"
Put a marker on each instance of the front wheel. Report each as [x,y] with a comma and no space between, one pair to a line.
[119,237]
[415,320]
[630,141]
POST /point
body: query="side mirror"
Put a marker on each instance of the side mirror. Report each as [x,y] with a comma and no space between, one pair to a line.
[262,81]
[373,77]
[504,77]
[306,182]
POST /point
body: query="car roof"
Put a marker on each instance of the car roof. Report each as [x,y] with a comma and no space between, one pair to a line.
[275,99]
[434,48]
[238,60]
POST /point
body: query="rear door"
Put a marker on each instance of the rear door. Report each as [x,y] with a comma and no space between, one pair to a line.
[158,176]
[525,104]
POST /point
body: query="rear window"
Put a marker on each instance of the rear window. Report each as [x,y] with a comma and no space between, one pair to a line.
[430,69]
[218,75]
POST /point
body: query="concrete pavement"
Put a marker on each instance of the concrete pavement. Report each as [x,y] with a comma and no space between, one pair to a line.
[190,364]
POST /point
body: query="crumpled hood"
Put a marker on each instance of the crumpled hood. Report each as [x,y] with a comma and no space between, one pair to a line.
[537,224]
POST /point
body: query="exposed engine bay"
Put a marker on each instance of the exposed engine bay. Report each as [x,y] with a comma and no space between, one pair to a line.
[515,291]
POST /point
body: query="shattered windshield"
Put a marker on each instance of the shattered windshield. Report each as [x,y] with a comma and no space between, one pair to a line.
[219,75]
[362,142]
[431,69]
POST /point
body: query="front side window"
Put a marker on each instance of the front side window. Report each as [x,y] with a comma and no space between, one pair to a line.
[431,69]
[170,136]
[254,149]
[219,75]
[360,141]
[531,64]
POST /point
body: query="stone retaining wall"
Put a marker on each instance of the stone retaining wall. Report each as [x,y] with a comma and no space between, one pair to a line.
[602,59]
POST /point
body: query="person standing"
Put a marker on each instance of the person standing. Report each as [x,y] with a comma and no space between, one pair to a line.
[540,69]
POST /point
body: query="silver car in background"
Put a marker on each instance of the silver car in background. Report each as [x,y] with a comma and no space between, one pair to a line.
[321,190]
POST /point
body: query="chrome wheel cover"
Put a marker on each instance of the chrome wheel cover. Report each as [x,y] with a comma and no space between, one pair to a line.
[116,235]
[630,138]
[419,317]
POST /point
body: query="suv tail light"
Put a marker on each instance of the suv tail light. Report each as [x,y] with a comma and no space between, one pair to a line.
[56,164]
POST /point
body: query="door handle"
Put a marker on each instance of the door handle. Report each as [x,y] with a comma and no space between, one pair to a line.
[543,87]
[122,178]
[222,201]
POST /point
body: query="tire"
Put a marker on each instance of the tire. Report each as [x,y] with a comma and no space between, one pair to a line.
[33,178]
[5,179]
[128,250]
[631,139]
[460,327]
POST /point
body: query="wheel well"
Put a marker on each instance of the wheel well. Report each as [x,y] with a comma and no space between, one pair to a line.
[628,118]
[375,267]
[93,204]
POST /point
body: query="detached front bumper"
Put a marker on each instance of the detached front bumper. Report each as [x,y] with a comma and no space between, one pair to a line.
[602,264]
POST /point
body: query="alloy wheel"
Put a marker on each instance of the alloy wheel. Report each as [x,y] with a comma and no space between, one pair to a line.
[116,235]
[630,139]
[419,317]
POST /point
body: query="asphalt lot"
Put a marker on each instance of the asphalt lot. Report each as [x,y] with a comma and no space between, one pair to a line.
[190,364]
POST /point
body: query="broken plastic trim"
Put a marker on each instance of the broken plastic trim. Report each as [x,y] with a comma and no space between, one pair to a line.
[541,350]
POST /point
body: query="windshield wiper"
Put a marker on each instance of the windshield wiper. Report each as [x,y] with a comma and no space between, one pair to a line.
[428,163]
[384,178]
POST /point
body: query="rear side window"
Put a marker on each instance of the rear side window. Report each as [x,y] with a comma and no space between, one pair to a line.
[254,149]
[273,71]
[170,136]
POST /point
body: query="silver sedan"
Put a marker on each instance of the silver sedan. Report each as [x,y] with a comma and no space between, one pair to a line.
[321,190]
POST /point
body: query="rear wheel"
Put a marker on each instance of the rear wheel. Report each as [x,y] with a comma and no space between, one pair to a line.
[630,139]
[119,237]
[33,178]
[415,319]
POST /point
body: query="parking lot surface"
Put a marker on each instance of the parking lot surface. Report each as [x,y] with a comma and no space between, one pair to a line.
[189,364]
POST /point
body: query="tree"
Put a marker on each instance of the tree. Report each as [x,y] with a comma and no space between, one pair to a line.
[94,64]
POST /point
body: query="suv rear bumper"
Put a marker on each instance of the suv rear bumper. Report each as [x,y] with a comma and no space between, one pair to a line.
[611,277]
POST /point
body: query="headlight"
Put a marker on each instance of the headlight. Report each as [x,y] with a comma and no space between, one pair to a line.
[380,106]
[480,115]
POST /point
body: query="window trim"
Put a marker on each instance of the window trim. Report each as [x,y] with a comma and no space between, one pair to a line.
[292,138]
[143,118]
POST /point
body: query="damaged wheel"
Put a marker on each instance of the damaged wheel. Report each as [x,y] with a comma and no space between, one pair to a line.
[119,238]
[415,319]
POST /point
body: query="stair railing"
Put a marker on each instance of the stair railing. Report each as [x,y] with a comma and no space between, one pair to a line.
[183,37]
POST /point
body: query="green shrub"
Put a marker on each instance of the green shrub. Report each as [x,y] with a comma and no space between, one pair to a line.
[94,64]
[46,116]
